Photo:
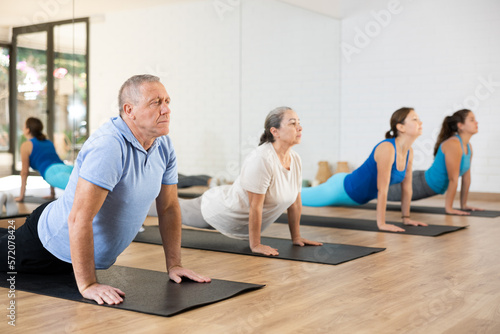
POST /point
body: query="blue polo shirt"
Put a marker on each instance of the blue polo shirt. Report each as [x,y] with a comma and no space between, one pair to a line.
[113,159]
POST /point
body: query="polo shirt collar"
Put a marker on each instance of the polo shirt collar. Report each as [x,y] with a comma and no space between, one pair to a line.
[125,131]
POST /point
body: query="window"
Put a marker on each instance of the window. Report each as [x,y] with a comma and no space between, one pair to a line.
[4,97]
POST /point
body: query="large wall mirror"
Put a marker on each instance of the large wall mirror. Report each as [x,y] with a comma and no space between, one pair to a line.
[225,64]
[49,82]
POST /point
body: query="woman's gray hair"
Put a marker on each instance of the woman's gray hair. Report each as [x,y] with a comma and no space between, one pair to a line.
[129,92]
[273,120]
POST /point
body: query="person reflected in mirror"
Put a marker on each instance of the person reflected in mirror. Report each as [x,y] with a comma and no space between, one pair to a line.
[39,153]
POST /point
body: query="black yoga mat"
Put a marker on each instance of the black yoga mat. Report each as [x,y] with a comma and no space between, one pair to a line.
[36,200]
[183,194]
[214,241]
[371,225]
[146,291]
[19,215]
[427,209]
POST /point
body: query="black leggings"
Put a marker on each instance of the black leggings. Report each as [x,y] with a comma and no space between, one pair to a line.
[29,254]
[420,188]
[186,181]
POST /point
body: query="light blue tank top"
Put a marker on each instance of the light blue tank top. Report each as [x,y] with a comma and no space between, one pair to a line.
[437,175]
[361,185]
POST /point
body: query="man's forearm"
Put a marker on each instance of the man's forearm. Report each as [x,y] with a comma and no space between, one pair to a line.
[82,253]
[171,233]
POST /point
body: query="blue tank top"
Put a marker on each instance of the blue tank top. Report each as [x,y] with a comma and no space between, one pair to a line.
[43,155]
[437,175]
[361,185]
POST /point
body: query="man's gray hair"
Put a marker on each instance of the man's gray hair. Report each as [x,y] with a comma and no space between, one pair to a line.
[129,92]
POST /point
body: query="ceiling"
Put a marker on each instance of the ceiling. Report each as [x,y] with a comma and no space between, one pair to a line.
[27,12]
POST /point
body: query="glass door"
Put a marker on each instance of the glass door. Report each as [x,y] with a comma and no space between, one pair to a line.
[30,94]
[50,82]
[4,98]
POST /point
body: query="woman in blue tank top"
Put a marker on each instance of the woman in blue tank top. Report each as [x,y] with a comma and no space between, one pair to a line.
[39,153]
[453,154]
[387,164]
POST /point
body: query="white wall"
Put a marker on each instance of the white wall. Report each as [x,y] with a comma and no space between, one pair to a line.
[435,56]
[225,75]
[225,64]
[291,58]
[196,55]
[5,35]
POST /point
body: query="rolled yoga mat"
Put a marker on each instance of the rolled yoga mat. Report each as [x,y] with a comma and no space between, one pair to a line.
[214,241]
[146,291]
[426,209]
[370,225]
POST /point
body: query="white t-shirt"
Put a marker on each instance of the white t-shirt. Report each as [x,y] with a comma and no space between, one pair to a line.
[227,208]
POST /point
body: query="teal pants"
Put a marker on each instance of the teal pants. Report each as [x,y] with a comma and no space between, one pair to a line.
[332,192]
[57,175]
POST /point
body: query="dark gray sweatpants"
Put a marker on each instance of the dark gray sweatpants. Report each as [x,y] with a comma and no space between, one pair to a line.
[420,188]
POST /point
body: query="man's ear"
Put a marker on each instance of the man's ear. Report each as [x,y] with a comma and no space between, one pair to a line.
[128,111]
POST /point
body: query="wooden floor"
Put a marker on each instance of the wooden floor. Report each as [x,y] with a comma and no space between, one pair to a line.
[447,284]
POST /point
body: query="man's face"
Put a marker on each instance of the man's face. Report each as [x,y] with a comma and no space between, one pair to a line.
[152,111]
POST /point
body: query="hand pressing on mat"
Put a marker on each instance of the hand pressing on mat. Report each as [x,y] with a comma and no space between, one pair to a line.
[177,272]
[457,212]
[102,293]
[410,222]
[390,227]
[263,249]
[471,208]
[304,242]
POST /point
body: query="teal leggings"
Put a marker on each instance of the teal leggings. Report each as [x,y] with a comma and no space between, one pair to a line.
[57,175]
[331,192]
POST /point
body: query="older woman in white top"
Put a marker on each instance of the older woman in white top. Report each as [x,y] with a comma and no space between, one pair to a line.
[270,183]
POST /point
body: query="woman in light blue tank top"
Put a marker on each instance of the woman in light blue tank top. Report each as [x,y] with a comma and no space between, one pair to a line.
[389,163]
[453,154]
[39,153]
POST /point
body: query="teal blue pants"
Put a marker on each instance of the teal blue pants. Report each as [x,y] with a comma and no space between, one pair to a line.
[57,175]
[332,192]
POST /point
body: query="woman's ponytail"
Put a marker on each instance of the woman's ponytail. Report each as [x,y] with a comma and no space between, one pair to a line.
[450,127]
[273,120]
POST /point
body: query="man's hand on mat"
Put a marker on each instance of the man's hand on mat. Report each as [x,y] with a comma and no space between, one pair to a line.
[390,227]
[102,293]
[411,222]
[304,242]
[177,272]
[457,212]
[471,208]
[263,249]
